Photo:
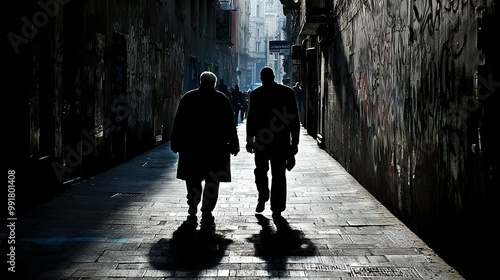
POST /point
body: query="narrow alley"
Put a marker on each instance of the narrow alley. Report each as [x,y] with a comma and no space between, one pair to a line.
[124,224]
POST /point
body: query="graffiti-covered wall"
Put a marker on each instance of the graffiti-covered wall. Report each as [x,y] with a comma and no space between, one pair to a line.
[405,93]
[98,82]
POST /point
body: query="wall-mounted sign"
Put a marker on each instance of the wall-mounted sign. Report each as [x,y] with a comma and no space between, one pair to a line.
[281,47]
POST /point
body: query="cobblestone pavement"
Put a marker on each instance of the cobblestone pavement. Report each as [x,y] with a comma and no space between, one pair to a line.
[126,223]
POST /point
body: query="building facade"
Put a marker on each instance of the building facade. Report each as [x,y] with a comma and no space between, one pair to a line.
[266,23]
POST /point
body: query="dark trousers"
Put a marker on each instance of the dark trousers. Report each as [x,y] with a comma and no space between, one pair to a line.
[208,195]
[236,114]
[243,112]
[277,192]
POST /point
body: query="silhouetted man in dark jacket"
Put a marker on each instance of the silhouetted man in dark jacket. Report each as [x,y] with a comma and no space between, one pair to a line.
[204,134]
[237,100]
[273,129]
[224,88]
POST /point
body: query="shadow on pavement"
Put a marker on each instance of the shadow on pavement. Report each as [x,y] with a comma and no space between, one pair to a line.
[277,244]
[189,250]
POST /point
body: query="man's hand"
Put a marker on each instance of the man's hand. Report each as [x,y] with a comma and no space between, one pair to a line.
[249,147]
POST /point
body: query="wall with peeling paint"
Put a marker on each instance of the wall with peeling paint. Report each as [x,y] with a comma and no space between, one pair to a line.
[402,94]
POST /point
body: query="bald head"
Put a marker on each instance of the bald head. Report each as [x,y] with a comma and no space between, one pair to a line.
[266,75]
[208,80]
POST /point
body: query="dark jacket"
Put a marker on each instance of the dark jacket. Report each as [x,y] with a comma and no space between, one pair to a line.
[237,99]
[204,134]
[273,118]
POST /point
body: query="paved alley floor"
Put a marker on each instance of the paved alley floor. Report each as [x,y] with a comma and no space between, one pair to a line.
[125,223]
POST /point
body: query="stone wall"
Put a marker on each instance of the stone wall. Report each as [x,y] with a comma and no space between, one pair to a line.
[403,96]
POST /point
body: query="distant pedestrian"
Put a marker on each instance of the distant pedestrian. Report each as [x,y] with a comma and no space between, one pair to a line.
[204,135]
[222,87]
[298,97]
[244,109]
[237,100]
[273,136]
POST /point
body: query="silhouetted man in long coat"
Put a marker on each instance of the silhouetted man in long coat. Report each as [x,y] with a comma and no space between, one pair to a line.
[273,135]
[204,134]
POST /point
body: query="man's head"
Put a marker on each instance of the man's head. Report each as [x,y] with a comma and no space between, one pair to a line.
[208,80]
[266,75]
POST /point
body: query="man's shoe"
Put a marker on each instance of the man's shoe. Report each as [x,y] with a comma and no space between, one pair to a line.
[190,223]
[207,225]
[260,207]
[280,222]
[208,220]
